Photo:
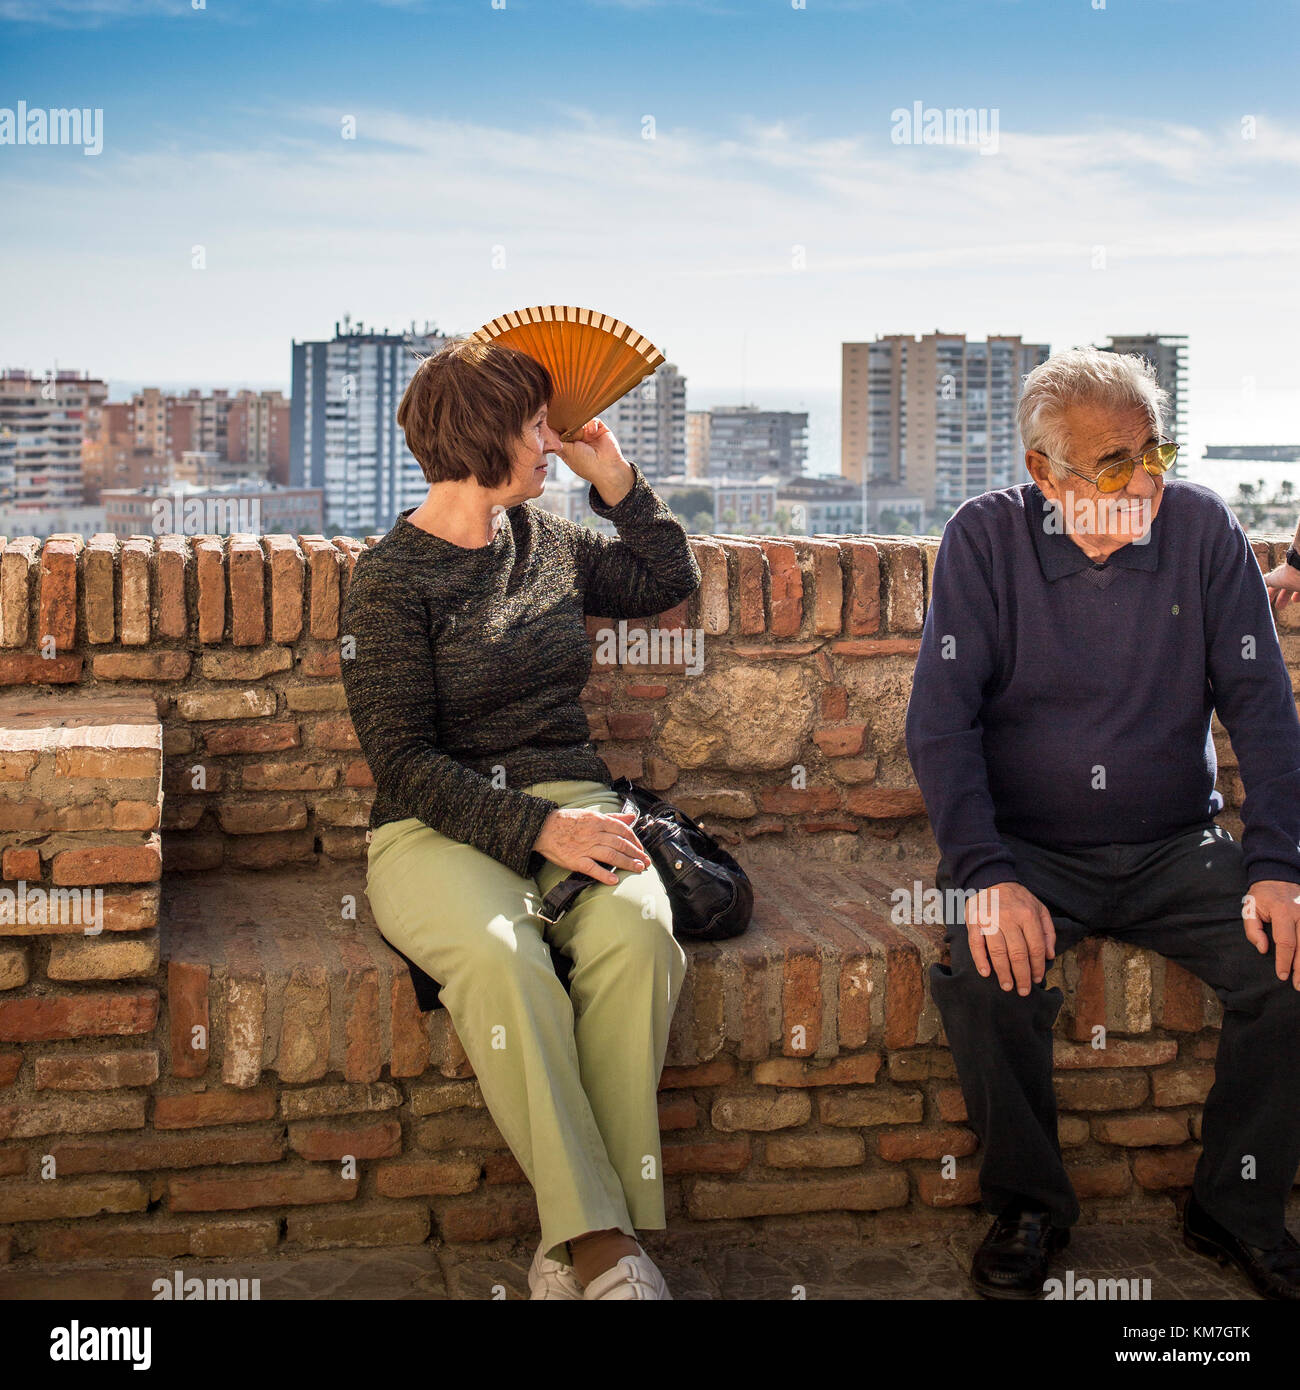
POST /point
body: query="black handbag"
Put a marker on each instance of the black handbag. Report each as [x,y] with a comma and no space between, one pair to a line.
[711,895]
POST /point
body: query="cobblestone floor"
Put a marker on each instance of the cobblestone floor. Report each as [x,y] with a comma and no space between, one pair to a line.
[931,1268]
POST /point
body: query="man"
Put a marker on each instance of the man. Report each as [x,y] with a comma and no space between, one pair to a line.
[1082,629]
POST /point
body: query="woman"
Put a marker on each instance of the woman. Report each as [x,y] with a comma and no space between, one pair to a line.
[471,650]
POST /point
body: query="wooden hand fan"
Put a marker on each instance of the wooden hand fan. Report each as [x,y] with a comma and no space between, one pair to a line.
[592,358]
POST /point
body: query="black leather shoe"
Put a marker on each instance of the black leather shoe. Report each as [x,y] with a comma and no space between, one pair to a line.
[1013,1258]
[1275,1273]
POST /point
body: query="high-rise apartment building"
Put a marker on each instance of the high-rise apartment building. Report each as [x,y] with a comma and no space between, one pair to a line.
[49,418]
[936,414]
[257,432]
[650,423]
[746,442]
[697,443]
[344,435]
[1167,353]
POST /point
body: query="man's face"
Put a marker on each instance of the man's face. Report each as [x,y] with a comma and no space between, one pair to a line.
[1098,437]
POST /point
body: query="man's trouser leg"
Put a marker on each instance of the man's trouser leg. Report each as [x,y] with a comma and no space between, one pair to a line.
[1001,1041]
[1185,901]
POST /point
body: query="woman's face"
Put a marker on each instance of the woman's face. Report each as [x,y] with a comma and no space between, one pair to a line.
[528,475]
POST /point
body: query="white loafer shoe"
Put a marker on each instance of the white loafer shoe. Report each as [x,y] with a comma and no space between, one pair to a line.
[633,1277]
[550,1279]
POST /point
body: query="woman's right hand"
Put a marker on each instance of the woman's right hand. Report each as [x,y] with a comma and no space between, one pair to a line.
[586,841]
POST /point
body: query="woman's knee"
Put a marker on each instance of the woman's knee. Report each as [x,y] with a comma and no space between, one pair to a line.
[636,927]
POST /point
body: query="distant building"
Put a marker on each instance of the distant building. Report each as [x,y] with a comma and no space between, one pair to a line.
[934,415]
[344,436]
[184,509]
[697,443]
[1167,352]
[739,504]
[746,442]
[650,422]
[1254,453]
[206,468]
[257,433]
[49,418]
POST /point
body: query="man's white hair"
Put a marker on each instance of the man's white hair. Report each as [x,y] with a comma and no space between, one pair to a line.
[1116,380]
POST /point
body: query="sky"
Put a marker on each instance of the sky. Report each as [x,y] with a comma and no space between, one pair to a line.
[730,178]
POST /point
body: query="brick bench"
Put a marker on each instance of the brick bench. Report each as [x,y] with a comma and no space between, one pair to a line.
[194,1078]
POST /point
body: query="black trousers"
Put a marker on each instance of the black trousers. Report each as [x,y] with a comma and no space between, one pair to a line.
[1181,897]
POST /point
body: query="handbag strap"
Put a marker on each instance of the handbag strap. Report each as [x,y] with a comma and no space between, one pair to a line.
[562,897]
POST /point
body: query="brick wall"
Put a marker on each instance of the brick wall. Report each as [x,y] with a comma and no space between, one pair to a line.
[200,1099]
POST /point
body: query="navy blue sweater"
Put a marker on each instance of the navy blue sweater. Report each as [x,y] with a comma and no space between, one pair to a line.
[1068,703]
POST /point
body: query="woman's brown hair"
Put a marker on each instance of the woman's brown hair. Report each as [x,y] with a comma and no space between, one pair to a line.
[465,408]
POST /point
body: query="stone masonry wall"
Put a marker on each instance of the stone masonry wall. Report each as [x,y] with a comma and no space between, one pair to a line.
[201,1100]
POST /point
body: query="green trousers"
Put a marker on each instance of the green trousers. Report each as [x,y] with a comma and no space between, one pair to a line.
[571,1080]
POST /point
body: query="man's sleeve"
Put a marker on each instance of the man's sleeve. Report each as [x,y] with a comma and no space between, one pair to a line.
[958,658]
[1256,705]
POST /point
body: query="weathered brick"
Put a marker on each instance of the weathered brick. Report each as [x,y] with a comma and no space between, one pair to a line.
[98,616]
[866,1191]
[926,1143]
[21,865]
[936,1190]
[213,1108]
[263,738]
[1111,1179]
[815,1151]
[254,665]
[261,815]
[856,1070]
[102,958]
[102,1071]
[134,563]
[15,967]
[1166,1168]
[284,1187]
[339,1098]
[882,1107]
[198,705]
[1087,1092]
[863,587]
[1181,1085]
[783,1110]
[1140,1131]
[427,1177]
[286,567]
[57,1201]
[148,1151]
[75,1115]
[310,698]
[104,864]
[706,1156]
[159,665]
[489,1216]
[472,1129]
[715,1073]
[169,573]
[786,589]
[58,594]
[346,1229]
[371,1139]
[43,1018]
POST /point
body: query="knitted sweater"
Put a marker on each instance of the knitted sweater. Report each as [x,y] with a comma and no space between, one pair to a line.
[463,686]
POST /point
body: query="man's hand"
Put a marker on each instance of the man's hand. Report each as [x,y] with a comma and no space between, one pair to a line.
[578,839]
[1017,931]
[1278,903]
[1283,586]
